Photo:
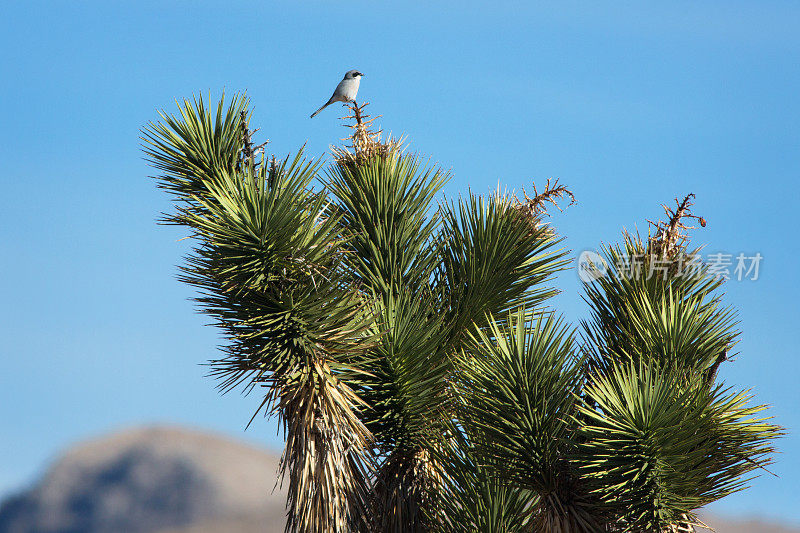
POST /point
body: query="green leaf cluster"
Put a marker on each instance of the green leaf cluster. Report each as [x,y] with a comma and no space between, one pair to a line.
[406,344]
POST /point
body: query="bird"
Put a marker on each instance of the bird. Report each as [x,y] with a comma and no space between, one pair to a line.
[345,92]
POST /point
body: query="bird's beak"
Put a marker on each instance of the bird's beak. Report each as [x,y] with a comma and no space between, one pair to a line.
[360,74]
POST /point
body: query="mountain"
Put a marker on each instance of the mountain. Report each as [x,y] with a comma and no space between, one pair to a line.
[722,525]
[175,480]
[150,479]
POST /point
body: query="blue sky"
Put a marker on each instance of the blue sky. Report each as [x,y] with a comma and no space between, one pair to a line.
[629,105]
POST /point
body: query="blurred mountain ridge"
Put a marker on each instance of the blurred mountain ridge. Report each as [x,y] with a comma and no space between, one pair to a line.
[145,480]
[167,479]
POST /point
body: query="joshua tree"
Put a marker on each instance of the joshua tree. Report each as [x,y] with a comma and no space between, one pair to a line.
[407,348]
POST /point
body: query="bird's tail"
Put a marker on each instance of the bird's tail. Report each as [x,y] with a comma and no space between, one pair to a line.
[315,113]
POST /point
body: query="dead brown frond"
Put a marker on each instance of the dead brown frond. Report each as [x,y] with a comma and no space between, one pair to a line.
[327,455]
[670,238]
[404,496]
[687,525]
[562,512]
[365,142]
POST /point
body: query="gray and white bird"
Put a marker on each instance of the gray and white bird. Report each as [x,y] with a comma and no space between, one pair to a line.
[346,91]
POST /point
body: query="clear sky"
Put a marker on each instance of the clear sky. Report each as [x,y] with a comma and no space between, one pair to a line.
[629,105]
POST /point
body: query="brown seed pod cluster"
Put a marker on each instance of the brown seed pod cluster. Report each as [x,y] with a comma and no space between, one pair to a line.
[670,237]
[365,142]
[534,209]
